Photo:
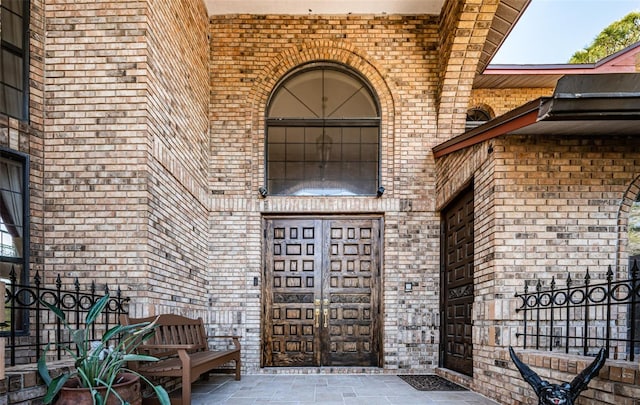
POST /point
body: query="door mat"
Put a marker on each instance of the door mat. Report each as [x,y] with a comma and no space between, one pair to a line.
[431,382]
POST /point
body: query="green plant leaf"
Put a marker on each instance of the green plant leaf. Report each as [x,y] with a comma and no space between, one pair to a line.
[138,357]
[78,336]
[42,366]
[54,387]
[162,394]
[97,398]
[96,309]
[133,328]
[112,332]
[57,311]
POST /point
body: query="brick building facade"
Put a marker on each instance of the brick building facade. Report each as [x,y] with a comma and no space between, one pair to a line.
[146,137]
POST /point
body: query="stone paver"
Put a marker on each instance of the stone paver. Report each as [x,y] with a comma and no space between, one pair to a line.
[340,389]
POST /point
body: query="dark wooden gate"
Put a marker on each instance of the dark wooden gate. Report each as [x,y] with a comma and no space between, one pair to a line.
[457,285]
[321,292]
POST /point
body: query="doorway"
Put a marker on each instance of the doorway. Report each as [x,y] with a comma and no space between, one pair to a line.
[321,292]
[456,279]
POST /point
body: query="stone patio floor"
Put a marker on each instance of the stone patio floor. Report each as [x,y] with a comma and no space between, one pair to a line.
[335,389]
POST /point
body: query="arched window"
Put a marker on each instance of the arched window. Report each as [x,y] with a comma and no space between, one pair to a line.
[477,116]
[323,134]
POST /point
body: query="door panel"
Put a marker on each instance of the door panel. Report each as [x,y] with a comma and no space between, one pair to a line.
[321,298]
[292,282]
[349,285]
[457,284]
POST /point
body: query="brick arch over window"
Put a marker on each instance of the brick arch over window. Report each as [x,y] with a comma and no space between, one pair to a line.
[630,196]
[486,108]
[316,51]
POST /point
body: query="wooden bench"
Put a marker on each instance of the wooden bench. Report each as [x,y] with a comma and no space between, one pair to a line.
[182,346]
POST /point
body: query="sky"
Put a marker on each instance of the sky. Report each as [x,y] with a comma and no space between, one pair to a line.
[551,31]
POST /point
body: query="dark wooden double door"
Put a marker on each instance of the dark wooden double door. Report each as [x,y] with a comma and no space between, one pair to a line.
[321,292]
[456,280]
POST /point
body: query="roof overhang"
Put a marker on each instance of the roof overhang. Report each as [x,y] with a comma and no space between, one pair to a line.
[323,7]
[581,105]
[547,75]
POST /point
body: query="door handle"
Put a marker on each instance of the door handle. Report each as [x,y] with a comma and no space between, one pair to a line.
[325,311]
[317,312]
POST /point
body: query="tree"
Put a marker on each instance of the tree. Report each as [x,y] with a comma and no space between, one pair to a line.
[619,35]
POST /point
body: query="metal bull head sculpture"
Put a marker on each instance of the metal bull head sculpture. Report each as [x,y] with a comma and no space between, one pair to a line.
[559,394]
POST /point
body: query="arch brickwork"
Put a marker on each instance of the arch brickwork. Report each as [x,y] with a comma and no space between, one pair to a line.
[317,51]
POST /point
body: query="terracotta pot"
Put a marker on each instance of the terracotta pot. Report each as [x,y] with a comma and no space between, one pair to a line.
[129,390]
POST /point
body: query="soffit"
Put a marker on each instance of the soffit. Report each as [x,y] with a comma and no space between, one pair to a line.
[507,14]
[519,80]
[288,7]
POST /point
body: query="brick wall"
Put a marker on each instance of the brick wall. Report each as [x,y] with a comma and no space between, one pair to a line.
[27,136]
[249,55]
[545,206]
[126,147]
[501,101]
[96,147]
[178,132]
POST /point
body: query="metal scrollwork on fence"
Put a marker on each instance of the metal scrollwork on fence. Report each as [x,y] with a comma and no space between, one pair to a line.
[31,325]
[580,318]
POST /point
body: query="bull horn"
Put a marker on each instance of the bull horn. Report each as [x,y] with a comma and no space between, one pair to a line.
[581,381]
[529,375]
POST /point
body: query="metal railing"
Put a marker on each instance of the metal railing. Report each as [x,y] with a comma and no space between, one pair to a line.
[31,325]
[582,318]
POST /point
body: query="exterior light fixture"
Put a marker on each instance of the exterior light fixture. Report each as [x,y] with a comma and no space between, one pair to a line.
[263,192]
[380,192]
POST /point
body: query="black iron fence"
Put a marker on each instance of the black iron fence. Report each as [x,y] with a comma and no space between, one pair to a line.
[580,318]
[30,325]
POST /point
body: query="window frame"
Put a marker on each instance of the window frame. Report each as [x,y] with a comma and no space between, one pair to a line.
[23,279]
[367,122]
[24,55]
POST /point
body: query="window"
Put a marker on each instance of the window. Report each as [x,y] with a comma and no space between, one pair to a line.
[14,220]
[477,116]
[14,45]
[323,134]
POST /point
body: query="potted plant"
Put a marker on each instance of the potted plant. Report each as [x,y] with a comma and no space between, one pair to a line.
[100,371]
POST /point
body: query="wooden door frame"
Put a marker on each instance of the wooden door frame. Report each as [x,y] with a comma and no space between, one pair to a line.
[380,290]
